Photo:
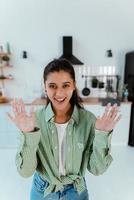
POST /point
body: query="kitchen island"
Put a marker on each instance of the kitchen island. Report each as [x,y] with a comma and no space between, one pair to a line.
[9,133]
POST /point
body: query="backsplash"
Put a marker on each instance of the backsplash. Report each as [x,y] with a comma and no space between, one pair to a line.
[28,80]
[106,78]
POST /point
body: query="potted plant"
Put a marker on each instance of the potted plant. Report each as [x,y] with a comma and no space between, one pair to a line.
[5,60]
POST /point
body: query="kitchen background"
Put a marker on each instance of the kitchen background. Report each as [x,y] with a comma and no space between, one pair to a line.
[38,26]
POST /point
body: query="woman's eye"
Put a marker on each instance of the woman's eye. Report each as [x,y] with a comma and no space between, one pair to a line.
[52,86]
[65,86]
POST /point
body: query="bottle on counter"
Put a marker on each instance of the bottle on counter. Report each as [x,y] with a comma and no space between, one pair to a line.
[125,95]
[8,48]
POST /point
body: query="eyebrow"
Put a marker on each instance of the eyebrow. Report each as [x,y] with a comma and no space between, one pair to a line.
[63,82]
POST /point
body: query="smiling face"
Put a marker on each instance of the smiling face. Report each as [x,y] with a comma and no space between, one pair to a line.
[59,87]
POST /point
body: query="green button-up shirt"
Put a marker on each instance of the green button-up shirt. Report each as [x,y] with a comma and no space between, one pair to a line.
[86,148]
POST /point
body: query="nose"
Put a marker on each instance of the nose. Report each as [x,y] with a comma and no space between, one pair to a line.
[60,92]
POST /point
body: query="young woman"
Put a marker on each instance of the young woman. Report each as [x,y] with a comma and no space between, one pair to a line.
[61,140]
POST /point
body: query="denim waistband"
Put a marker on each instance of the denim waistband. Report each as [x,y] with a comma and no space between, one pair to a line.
[44,183]
[68,182]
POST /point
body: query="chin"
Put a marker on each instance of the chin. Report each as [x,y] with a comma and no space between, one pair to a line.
[60,106]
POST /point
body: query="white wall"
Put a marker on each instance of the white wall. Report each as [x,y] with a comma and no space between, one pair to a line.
[38,26]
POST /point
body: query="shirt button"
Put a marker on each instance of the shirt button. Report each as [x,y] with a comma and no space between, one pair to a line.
[71,120]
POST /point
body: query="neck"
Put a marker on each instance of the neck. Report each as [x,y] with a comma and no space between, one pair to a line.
[63,116]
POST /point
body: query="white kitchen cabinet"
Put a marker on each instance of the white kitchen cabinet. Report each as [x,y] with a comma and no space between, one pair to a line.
[9,132]
[121,131]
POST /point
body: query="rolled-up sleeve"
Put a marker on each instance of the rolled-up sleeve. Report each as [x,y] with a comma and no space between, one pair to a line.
[26,159]
[99,153]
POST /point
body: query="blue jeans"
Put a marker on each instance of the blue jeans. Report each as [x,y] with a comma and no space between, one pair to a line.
[68,193]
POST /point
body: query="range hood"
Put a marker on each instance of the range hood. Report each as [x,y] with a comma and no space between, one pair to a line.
[67,51]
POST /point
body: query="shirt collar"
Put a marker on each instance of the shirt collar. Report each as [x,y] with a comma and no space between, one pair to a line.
[75,114]
[49,113]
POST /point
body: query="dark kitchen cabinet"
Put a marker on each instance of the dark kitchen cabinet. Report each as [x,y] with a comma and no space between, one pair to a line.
[129,80]
[131,130]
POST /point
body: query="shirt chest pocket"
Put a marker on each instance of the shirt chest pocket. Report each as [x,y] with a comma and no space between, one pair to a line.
[79,148]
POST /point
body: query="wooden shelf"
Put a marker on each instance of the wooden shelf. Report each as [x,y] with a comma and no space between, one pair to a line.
[10,77]
[4,99]
[4,54]
[6,66]
[4,63]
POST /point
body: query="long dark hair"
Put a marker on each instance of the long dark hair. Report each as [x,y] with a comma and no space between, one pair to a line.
[62,64]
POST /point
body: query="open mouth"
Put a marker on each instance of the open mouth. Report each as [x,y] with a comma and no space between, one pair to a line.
[60,100]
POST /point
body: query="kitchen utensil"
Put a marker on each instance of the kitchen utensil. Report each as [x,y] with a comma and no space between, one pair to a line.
[109,84]
[86,90]
[100,84]
[94,82]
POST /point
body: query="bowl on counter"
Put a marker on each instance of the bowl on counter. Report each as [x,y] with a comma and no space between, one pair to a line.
[105,101]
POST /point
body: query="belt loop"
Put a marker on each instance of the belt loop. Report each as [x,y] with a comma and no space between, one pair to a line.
[62,189]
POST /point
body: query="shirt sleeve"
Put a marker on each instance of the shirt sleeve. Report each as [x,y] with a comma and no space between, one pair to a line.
[99,153]
[26,159]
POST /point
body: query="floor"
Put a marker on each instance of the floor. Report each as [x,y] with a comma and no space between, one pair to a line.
[117,183]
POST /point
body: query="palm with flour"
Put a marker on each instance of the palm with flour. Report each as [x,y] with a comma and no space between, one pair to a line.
[23,120]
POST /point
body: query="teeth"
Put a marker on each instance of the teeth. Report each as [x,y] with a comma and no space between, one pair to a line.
[59,99]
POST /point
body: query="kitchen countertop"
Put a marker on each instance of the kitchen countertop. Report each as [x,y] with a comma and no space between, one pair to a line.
[86,100]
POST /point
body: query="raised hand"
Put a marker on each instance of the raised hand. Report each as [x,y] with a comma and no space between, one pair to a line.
[109,119]
[23,120]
